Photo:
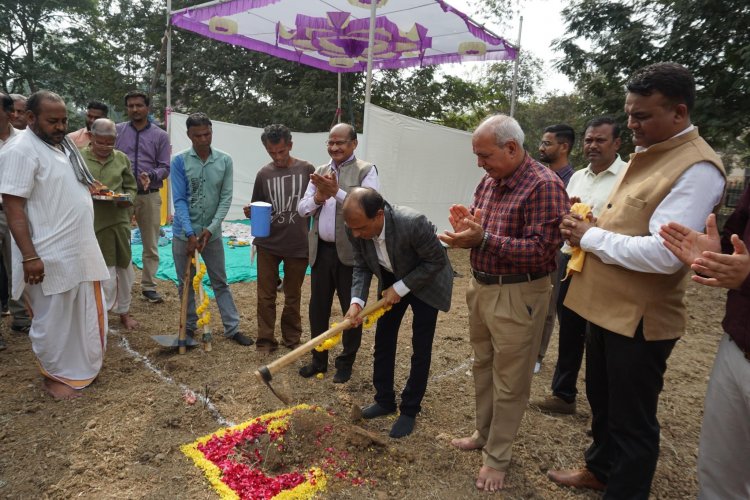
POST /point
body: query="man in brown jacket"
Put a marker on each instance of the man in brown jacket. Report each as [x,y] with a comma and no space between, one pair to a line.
[631,287]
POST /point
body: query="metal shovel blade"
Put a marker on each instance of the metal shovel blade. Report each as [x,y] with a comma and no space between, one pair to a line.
[173,340]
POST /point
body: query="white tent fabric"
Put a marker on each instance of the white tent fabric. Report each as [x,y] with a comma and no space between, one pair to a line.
[423,166]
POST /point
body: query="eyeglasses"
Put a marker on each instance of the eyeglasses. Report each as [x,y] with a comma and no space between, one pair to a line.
[331,144]
[102,145]
[547,144]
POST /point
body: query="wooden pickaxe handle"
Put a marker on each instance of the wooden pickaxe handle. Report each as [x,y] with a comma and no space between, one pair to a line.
[186,284]
[278,364]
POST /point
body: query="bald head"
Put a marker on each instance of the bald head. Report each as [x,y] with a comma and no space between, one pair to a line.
[364,213]
[104,127]
[345,129]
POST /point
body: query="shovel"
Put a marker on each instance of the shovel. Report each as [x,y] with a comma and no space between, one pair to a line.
[265,373]
[181,340]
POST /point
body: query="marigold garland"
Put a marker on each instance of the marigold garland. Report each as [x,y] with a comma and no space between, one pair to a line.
[232,480]
[204,315]
[368,322]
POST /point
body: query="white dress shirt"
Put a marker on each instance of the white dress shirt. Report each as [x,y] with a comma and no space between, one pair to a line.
[380,248]
[327,218]
[60,213]
[693,196]
[594,189]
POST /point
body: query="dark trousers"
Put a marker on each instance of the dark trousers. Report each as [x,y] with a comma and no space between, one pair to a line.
[624,377]
[329,275]
[570,346]
[386,340]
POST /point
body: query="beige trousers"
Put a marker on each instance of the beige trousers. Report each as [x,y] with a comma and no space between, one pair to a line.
[505,329]
[148,216]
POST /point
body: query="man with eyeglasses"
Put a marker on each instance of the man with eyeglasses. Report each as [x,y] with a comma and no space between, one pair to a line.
[112,218]
[331,255]
[554,150]
[95,110]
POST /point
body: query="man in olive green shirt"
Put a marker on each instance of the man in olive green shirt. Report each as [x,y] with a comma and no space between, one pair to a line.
[112,218]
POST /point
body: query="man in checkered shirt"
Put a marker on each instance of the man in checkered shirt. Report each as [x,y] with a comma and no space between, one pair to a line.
[512,230]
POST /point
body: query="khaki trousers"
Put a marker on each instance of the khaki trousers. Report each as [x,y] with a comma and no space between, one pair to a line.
[148,216]
[505,329]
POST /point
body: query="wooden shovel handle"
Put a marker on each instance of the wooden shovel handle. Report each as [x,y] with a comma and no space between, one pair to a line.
[276,365]
[182,335]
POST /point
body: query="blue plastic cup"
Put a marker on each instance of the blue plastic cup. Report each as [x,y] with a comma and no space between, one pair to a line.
[260,219]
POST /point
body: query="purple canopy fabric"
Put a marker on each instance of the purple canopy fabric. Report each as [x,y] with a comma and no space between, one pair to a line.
[333,34]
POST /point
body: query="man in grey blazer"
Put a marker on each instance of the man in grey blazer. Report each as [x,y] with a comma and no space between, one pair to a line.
[400,247]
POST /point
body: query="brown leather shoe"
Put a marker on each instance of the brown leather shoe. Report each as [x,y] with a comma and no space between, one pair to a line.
[553,404]
[576,478]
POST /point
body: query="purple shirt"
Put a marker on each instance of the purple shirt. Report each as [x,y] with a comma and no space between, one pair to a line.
[148,150]
[737,318]
[565,174]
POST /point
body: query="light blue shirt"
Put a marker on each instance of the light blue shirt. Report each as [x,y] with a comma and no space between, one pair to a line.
[201,192]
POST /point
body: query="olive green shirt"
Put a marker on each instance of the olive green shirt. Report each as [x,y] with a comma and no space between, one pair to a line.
[116,174]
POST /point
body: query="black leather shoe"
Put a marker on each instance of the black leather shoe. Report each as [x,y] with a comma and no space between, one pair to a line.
[152,296]
[342,376]
[308,371]
[242,339]
[375,410]
[403,426]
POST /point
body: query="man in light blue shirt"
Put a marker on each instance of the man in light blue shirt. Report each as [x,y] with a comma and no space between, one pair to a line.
[202,195]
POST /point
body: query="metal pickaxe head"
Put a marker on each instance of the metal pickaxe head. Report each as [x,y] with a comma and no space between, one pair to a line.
[264,375]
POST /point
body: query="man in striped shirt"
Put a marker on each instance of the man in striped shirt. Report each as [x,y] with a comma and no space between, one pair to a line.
[57,264]
[511,228]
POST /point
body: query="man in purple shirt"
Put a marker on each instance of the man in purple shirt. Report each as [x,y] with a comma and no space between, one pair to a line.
[148,148]
[554,150]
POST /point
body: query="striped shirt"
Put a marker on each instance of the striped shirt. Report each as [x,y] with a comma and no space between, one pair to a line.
[521,215]
[60,214]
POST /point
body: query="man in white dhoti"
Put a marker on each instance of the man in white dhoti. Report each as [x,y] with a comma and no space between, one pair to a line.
[57,264]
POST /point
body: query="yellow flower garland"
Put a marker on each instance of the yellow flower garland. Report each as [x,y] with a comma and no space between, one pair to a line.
[204,315]
[276,421]
[369,321]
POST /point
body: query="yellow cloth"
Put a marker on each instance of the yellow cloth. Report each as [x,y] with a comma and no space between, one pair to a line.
[164,193]
[577,254]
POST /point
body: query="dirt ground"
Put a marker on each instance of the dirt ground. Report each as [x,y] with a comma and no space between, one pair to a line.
[122,439]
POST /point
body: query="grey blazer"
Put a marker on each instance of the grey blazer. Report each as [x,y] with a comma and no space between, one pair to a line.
[415,253]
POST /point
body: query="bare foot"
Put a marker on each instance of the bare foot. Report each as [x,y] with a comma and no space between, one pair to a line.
[58,390]
[128,322]
[466,444]
[490,479]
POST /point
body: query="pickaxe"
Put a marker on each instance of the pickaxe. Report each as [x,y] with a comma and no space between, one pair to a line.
[265,373]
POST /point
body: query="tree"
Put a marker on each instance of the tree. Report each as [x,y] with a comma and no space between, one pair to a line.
[43,39]
[606,41]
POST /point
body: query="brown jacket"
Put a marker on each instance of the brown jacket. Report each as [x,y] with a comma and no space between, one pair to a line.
[616,298]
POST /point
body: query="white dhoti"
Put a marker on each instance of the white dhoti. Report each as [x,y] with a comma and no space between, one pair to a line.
[69,332]
[117,289]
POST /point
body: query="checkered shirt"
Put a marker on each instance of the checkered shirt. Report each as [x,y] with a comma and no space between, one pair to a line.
[521,215]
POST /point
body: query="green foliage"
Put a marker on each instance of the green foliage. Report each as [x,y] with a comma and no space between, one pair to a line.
[606,41]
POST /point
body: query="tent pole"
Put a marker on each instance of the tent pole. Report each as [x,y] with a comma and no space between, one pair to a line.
[515,71]
[368,81]
[169,59]
[338,102]
[168,82]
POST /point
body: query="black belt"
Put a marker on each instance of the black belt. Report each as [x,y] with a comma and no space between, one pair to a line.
[149,191]
[327,243]
[505,279]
